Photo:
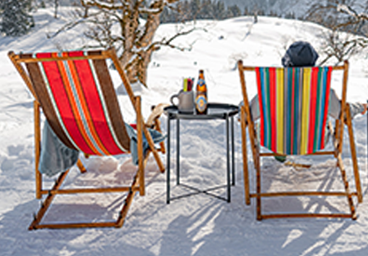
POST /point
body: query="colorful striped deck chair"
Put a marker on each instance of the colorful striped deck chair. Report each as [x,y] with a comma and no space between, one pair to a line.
[293,116]
[77,96]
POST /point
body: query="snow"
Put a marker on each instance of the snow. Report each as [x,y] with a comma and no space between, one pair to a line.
[196,225]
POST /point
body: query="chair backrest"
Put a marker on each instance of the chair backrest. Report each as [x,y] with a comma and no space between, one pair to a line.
[78,98]
[293,107]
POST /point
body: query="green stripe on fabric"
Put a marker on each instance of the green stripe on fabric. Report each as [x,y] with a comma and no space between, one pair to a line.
[268,107]
[318,109]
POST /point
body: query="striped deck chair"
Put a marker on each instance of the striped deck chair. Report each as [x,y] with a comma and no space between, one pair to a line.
[293,115]
[76,94]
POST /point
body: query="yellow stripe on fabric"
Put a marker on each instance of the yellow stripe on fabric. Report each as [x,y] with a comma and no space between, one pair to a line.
[280,109]
[305,110]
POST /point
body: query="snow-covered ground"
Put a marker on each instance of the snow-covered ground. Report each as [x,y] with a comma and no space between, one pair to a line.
[197,225]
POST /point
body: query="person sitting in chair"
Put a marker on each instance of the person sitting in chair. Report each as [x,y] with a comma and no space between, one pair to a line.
[302,54]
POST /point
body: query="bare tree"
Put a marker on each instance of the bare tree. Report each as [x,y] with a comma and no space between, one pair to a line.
[56,6]
[357,19]
[129,26]
[42,4]
[327,14]
[341,46]
[340,16]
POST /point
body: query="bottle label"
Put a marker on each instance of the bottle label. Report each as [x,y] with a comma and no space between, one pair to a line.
[201,86]
[201,103]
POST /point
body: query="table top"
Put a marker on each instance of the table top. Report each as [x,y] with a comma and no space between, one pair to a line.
[214,111]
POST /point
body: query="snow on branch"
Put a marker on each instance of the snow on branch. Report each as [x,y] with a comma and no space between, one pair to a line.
[104,5]
[156,6]
[150,10]
[125,4]
[168,42]
[343,8]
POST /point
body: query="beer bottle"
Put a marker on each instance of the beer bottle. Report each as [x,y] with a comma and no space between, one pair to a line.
[201,96]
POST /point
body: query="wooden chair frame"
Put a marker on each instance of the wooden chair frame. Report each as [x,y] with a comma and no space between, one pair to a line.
[138,183]
[344,118]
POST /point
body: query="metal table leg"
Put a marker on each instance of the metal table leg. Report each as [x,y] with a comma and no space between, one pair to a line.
[177,151]
[232,150]
[168,161]
[228,159]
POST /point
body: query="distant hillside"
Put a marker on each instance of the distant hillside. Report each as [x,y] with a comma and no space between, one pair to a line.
[279,7]
[297,7]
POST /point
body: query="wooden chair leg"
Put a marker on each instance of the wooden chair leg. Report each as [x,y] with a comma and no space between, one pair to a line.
[81,166]
[37,142]
[36,224]
[256,160]
[46,204]
[147,135]
[354,155]
[140,146]
[258,191]
[346,185]
[257,166]
[154,150]
[245,158]
[127,204]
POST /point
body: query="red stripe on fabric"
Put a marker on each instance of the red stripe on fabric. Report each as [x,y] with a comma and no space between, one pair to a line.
[273,109]
[78,118]
[86,114]
[312,109]
[328,86]
[63,106]
[261,112]
[94,104]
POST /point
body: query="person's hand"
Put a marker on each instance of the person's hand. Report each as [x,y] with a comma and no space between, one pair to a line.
[365,108]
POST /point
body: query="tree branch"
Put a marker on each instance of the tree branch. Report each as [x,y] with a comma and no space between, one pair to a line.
[343,8]
[104,5]
[165,42]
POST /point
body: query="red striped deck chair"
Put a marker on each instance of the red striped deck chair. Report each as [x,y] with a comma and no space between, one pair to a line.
[77,96]
[293,116]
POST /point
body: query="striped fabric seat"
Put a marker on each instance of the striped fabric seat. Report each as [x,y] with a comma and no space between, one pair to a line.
[293,108]
[75,91]
[293,113]
[84,114]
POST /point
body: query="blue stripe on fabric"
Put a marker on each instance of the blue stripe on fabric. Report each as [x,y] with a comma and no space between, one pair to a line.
[288,109]
[79,107]
[264,105]
[296,110]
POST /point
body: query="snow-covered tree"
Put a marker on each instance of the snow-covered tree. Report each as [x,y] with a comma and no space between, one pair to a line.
[129,26]
[326,13]
[358,18]
[15,20]
[341,16]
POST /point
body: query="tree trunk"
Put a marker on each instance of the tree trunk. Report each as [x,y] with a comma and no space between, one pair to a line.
[56,5]
[135,41]
[138,47]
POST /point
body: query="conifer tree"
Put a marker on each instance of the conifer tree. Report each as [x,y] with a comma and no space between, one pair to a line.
[15,20]
[233,11]
[220,11]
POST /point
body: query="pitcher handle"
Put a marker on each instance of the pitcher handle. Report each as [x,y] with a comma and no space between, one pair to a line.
[172,99]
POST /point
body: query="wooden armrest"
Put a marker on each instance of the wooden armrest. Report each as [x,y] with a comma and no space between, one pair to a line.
[156,113]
